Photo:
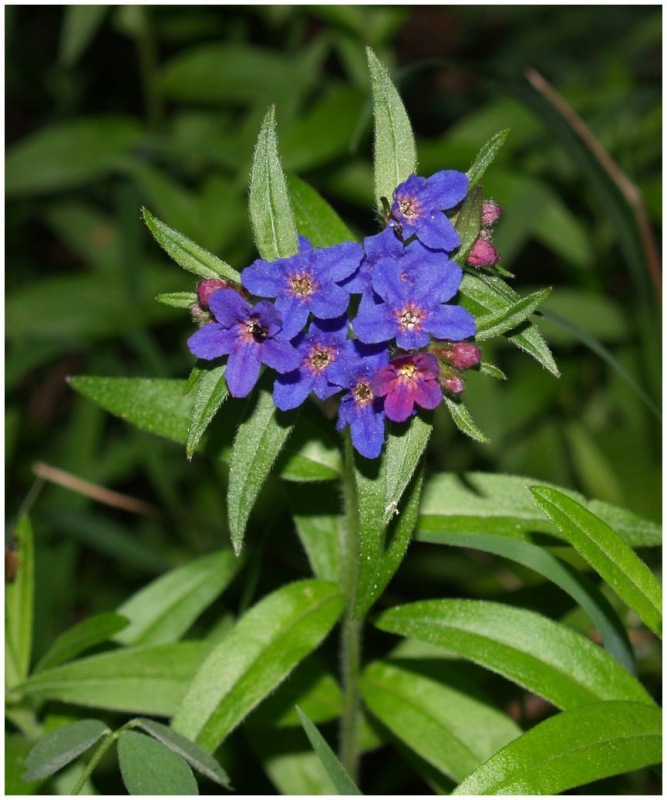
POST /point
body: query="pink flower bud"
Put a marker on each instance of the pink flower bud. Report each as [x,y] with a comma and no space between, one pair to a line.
[453,384]
[464,355]
[483,254]
[491,212]
[208,286]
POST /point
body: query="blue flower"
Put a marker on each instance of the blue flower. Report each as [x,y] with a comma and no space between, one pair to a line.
[305,282]
[383,245]
[250,336]
[319,350]
[414,306]
[360,408]
[419,203]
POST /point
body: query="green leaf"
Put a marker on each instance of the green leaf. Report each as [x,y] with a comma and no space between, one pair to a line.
[491,369]
[137,680]
[19,602]
[566,669]
[186,253]
[469,223]
[571,749]
[315,218]
[196,756]
[485,158]
[607,553]
[260,438]
[80,25]
[148,767]
[464,421]
[507,319]
[254,657]
[271,215]
[578,586]
[210,394]
[70,154]
[321,536]
[62,746]
[478,502]
[448,727]
[395,152]
[386,524]
[159,406]
[176,299]
[335,770]
[94,630]
[162,611]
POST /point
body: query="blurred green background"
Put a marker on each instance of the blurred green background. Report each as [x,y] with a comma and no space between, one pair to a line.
[111,108]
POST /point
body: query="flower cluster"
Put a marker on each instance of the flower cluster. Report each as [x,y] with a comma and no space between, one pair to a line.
[375,322]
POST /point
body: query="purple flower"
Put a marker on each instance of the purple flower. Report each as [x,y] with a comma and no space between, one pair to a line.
[406,381]
[319,350]
[419,203]
[250,336]
[360,408]
[305,282]
[383,245]
[414,306]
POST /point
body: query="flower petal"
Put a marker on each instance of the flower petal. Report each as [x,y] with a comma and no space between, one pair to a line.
[411,340]
[450,322]
[329,302]
[337,262]
[290,390]
[228,307]
[243,369]
[427,394]
[279,355]
[438,285]
[445,189]
[389,284]
[374,323]
[385,244]
[294,312]
[212,341]
[399,403]
[367,431]
[438,232]
[265,278]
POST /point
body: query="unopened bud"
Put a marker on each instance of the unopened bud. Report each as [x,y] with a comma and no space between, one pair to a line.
[208,286]
[464,355]
[483,254]
[491,212]
[200,316]
[453,384]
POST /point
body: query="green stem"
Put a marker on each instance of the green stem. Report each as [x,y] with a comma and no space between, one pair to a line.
[350,656]
[94,761]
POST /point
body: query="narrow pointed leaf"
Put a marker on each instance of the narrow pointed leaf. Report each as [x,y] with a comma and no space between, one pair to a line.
[186,253]
[468,223]
[149,768]
[395,152]
[491,369]
[452,730]
[210,394]
[494,324]
[177,299]
[162,611]
[315,219]
[197,757]
[88,633]
[80,25]
[254,657]
[607,553]
[572,749]
[321,536]
[464,421]
[60,747]
[335,770]
[19,602]
[566,669]
[271,215]
[486,157]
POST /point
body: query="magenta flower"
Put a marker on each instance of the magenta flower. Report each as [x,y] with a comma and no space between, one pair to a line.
[408,381]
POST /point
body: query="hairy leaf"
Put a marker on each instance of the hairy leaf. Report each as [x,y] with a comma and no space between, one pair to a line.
[94,630]
[507,319]
[335,770]
[148,767]
[210,394]
[315,219]
[62,746]
[468,223]
[464,421]
[485,157]
[177,299]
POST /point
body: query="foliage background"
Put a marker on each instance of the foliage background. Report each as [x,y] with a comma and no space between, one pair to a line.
[160,106]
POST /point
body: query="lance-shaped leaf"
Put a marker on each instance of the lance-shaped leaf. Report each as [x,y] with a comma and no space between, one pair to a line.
[177,299]
[80,25]
[607,553]
[452,730]
[149,768]
[572,749]
[19,601]
[210,394]
[395,152]
[315,219]
[143,680]
[162,612]
[485,157]
[268,203]
[254,657]
[507,319]
[464,421]
[478,502]
[94,630]
[335,770]
[186,253]
[567,668]
[259,440]
[468,223]
[60,747]
[385,522]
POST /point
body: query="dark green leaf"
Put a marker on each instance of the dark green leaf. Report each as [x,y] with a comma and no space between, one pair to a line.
[321,536]
[94,630]
[315,219]
[177,299]
[395,152]
[138,680]
[196,756]
[148,767]
[494,324]
[572,749]
[468,224]
[80,25]
[567,669]
[186,253]
[19,602]
[62,746]
[254,657]
[162,611]
[464,421]
[607,553]
[336,771]
[485,157]
[268,203]
[210,394]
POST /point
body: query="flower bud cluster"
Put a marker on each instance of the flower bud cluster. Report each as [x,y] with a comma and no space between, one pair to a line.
[483,253]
